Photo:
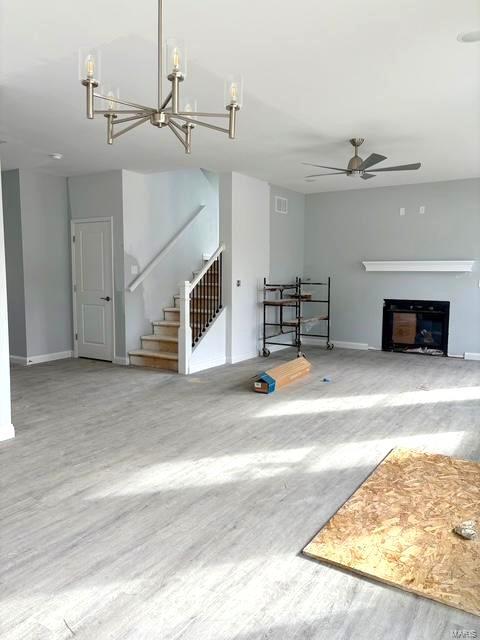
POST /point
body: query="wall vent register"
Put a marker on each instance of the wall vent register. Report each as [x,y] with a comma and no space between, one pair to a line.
[281,205]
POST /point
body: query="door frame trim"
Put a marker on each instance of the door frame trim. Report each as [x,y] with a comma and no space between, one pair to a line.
[73,222]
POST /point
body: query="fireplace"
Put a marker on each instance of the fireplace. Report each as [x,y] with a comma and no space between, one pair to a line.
[416,326]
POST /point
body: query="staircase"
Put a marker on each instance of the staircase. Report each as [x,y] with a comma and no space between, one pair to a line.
[160,349]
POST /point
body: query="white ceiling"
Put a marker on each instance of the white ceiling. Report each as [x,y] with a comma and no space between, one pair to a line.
[316,73]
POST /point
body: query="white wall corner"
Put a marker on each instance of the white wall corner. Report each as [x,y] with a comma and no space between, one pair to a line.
[7,432]
[185,330]
[124,361]
[22,360]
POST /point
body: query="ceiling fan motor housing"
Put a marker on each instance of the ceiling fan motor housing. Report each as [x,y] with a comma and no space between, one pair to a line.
[356,161]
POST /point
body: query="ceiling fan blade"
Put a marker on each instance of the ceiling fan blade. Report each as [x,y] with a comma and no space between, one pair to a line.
[318,175]
[322,166]
[373,158]
[367,176]
[401,167]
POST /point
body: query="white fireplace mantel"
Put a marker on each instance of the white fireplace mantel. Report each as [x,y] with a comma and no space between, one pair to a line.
[419,265]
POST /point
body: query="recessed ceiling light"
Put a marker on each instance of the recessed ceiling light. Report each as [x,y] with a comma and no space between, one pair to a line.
[55,156]
[469,36]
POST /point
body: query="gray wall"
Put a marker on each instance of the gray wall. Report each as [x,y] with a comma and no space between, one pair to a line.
[155,207]
[46,263]
[12,222]
[38,263]
[97,196]
[286,236]
[344,228]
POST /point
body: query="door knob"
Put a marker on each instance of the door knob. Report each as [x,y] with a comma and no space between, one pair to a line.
[107,298]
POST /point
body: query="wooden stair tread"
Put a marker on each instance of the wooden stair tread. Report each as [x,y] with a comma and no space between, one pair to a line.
[176,309]
[166,323]
[155,338]
[167,355]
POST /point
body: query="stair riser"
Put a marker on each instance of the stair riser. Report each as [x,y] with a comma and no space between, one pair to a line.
[172,315]
[160,330]
[154,363]
[160,345]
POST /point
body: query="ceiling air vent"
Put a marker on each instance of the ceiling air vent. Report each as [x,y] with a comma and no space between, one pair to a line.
[281,205]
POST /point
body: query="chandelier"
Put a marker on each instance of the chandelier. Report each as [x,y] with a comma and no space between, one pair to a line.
[180,117]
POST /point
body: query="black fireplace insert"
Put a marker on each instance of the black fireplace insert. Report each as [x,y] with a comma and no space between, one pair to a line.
[416,326]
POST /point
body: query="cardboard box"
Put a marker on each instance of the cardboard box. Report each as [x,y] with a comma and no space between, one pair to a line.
[264,384]
[278,377]
[404,328]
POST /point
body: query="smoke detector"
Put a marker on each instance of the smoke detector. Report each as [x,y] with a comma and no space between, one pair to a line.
[55,156]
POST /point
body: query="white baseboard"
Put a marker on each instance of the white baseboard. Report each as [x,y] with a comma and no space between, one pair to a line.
[361,346]
[208,364]
[277,347]
[46,357]
[7,432]
[471,355]
[339,344]
[121,360]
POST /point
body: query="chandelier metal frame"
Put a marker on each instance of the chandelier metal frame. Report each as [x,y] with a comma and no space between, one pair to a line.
[167,113]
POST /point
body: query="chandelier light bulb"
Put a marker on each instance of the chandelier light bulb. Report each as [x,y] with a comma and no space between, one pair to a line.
[89,63]
[176,56]
[176,59]
[90,67]
[111,103]
[234,92]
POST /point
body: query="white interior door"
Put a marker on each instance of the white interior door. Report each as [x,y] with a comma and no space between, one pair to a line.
[93,289]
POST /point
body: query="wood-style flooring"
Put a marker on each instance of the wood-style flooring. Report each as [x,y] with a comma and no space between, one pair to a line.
[143,505]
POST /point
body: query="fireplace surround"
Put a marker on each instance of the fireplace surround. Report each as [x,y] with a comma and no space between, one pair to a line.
[416,326]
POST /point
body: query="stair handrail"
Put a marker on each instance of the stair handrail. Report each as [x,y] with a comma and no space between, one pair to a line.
[153,263]
[206,266]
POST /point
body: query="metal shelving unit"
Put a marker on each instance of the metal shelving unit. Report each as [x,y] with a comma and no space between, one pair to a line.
[293,296]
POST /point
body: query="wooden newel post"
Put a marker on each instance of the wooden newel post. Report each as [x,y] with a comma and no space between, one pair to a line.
[185,330]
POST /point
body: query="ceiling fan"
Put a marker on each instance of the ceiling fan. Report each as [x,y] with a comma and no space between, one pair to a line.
[358,167]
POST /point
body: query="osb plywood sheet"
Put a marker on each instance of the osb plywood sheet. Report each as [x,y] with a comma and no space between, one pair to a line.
[397,528]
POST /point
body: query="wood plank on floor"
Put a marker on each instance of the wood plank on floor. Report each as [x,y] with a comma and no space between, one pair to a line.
[398,528]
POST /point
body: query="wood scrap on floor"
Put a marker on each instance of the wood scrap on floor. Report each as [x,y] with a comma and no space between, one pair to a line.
[278,377]
[399,528]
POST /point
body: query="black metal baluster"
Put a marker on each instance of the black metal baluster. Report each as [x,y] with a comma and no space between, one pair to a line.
[220,285]
[192,306]
[202,306]
[212,289]
[199,302]
[207,299]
